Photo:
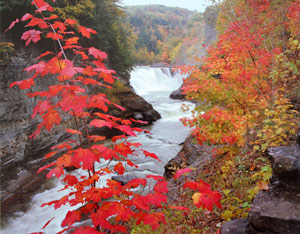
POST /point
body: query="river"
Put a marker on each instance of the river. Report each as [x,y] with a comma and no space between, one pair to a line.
[155,86]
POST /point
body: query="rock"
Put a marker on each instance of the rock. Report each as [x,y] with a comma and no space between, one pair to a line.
[15,196]
[124,179]
[237,226]
[286,165]
[275,211]
[192,154]
[177,94]
[298,137]
[137,107]
[188,155]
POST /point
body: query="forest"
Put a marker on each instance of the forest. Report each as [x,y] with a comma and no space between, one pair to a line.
[238,170]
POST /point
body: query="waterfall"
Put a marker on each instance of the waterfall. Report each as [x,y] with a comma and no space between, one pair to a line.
[147,79]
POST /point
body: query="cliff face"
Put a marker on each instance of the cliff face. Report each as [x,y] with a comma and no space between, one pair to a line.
[21,156]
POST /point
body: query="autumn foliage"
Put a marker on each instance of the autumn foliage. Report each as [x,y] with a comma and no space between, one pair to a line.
[242,89]
[77,70]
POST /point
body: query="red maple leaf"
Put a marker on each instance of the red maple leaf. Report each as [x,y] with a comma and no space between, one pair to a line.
[181,172]
[37,22]
[84,32]
[72,41]
[54,36]
[98,54]
[44,54]
[100,218]
[152,219]
[151,155]
[51,154]
[46,166]
[47,223]
[207,200]
[50,118]
[84,158]
[70,180]
[155,177]
[155,199]
[31,35]
[71,101]
[83,55]
[126,129]
[161,187]
[59,25]
[89,71]
[23,84]
[97,138]
[103,151]
[134,183]
[41,107]
[71,217]
[100,123]
[42,4]
[27,16]
[73,131]
[37,68]
[70,21]
[130,163]
[119,168]
[12,25]
[57,171]
[99,101]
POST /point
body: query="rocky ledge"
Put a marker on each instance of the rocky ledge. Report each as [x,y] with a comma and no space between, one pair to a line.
[277,210]
[177,94]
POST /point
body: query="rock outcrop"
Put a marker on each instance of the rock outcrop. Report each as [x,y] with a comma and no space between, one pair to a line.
[187,156]
[21,156]
[177,94]
[277,210]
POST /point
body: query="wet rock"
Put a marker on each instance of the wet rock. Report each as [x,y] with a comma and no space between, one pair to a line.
[136,107]
[237,226]
[15,196]
[177,94]
[275,211]
[188,155]
[124,179]
[286,165]
[192,154]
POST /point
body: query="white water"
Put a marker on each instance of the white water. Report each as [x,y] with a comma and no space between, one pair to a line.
[155,85]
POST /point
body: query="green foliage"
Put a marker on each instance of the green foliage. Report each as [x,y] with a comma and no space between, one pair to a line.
[181,31]
[114,36]
[105,16]
[6,51]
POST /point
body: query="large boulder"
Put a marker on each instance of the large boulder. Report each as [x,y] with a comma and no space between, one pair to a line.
[136,107]
[275,211]
[237,226]
[286,165]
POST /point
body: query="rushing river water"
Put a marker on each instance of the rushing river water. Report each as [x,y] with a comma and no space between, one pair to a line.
[154,85]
